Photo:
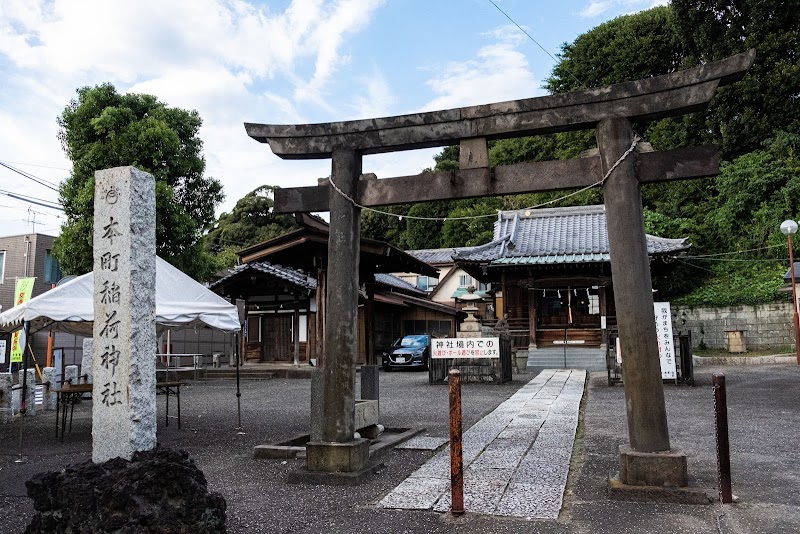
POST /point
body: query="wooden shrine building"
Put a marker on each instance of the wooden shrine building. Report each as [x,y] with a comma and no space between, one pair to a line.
[554,268]
[279,282]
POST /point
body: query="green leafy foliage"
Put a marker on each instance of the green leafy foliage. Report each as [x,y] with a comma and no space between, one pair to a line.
[387,228]
[251,221]
[103,129]
[467,225]
[738,284]
[744,114]
[630,47]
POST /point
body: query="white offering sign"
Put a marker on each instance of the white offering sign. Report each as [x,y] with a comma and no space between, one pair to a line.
[466,347]
[666,347]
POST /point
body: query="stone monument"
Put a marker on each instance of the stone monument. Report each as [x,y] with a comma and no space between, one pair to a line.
[123,362]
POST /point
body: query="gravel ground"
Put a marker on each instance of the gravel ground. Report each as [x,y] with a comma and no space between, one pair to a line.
[764,417]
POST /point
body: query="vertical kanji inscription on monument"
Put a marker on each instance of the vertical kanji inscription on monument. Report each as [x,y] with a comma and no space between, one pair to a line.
[123,358]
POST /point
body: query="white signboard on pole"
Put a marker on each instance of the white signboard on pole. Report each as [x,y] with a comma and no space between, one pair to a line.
[2,351]
[666,346]
[466,347]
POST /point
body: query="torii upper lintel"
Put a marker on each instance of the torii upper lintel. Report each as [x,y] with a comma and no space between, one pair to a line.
[663,96]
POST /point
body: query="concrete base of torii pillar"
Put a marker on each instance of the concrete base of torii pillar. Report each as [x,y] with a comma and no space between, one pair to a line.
[654,477]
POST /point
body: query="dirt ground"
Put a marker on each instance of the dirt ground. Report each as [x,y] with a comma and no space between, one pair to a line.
[764,415]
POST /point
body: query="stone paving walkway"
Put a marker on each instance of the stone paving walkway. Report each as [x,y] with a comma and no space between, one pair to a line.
[516,459]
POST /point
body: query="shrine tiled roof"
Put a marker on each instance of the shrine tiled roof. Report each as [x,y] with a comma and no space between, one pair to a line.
[556,235]
[395,282]
[293,276]
[438,256]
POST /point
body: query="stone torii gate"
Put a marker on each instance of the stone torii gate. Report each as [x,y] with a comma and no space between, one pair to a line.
[648,459]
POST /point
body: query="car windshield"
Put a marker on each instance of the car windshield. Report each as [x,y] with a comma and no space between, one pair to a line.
[413,341]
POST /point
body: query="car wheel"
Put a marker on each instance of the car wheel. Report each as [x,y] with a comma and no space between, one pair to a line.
[387,368]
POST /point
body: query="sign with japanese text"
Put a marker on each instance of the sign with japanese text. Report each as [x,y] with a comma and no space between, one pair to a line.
[466,347]
[22,294]
[666,346]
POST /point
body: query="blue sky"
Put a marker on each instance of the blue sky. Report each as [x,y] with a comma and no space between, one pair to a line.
[236,61]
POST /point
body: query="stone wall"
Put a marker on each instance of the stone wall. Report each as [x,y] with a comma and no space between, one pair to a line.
[765,326]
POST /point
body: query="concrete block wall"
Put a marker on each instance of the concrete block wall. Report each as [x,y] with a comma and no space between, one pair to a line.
[765,326]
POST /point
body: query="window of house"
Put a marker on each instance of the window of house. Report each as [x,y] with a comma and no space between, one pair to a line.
[2,264]
[466,280]
[52,269]
[427,283]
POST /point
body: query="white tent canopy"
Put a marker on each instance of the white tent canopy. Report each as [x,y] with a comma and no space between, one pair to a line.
[180,301]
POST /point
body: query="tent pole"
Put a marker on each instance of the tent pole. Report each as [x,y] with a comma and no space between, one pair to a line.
[238,390]
[23,399]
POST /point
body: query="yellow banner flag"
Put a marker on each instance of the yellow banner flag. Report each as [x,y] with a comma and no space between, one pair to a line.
[21,295]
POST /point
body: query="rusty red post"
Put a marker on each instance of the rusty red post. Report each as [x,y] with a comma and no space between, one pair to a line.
[723,445]
[456,458]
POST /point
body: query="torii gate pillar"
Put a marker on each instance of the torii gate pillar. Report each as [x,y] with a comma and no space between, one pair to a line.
[337,450]
[647,460]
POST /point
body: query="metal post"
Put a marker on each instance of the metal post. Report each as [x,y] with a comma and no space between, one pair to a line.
[723,444]
[456,458]
[238,390]
[794,303]
[23,406]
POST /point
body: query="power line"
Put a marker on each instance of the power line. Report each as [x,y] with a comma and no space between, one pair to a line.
[704,256]
[33,200]
[737,260]
[29,176]
[580,84]
[35,165]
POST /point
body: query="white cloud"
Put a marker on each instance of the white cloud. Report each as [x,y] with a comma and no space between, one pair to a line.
[130,42]
[499,72]
[596,8]
[234,61]
[376,99]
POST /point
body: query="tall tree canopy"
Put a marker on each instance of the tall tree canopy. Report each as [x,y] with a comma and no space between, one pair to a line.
[103,129]
[756,122]
[251,221]
[744,115]
[629,47]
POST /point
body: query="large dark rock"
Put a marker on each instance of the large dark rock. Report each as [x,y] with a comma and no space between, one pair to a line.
[160,491]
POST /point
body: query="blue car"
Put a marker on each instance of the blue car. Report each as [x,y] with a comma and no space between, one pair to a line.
[408,352]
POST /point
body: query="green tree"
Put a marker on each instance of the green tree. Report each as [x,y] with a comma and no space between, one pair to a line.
[751,197]
[467,223]
[629,47]
[425,232]
[744,114]
[388,228]
[251,221]
[103,129]
[748,217]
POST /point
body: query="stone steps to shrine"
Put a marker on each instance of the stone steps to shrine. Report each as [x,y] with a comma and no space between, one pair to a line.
[589,359]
